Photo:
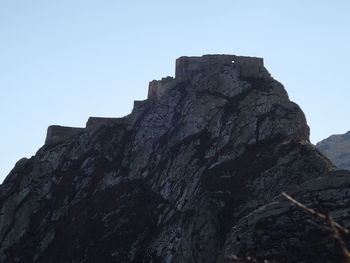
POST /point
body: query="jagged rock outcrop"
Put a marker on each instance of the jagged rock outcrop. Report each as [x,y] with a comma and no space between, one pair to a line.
[337,149]
[281,232]
[171,182]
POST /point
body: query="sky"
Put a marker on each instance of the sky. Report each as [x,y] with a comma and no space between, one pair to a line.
[62,61]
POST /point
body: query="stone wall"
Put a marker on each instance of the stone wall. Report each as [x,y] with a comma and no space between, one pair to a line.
[187,67]
[96,122]
[56,133]
[157,88]
[139,103]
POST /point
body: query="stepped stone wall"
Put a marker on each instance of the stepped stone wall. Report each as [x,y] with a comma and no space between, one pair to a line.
[186,69]
[56,133]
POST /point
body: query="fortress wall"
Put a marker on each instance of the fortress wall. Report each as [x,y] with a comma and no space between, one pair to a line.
[139,103]
[56,133]
[186,67]
[157,88]
[95,122]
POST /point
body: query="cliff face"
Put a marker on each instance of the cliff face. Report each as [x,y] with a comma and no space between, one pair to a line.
[337,149]
[172,181]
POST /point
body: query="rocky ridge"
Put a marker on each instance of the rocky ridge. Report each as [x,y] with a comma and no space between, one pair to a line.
[337,149]
[193,173]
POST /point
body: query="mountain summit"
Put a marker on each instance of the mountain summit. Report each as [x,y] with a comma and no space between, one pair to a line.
[190,175]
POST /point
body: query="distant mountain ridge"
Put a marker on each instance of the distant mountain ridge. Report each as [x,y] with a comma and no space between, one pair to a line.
[337,149]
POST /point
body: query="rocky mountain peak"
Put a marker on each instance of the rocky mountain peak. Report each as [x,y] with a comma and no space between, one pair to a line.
[228,72]
[170,182]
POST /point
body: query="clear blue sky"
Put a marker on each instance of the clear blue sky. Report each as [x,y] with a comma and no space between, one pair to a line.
[65,60]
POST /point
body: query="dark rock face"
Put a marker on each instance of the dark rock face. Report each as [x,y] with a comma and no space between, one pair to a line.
[279,231]
[337,149]
[176,179]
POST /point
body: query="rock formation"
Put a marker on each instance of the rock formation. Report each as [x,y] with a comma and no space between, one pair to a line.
[337,149]
[191,174]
